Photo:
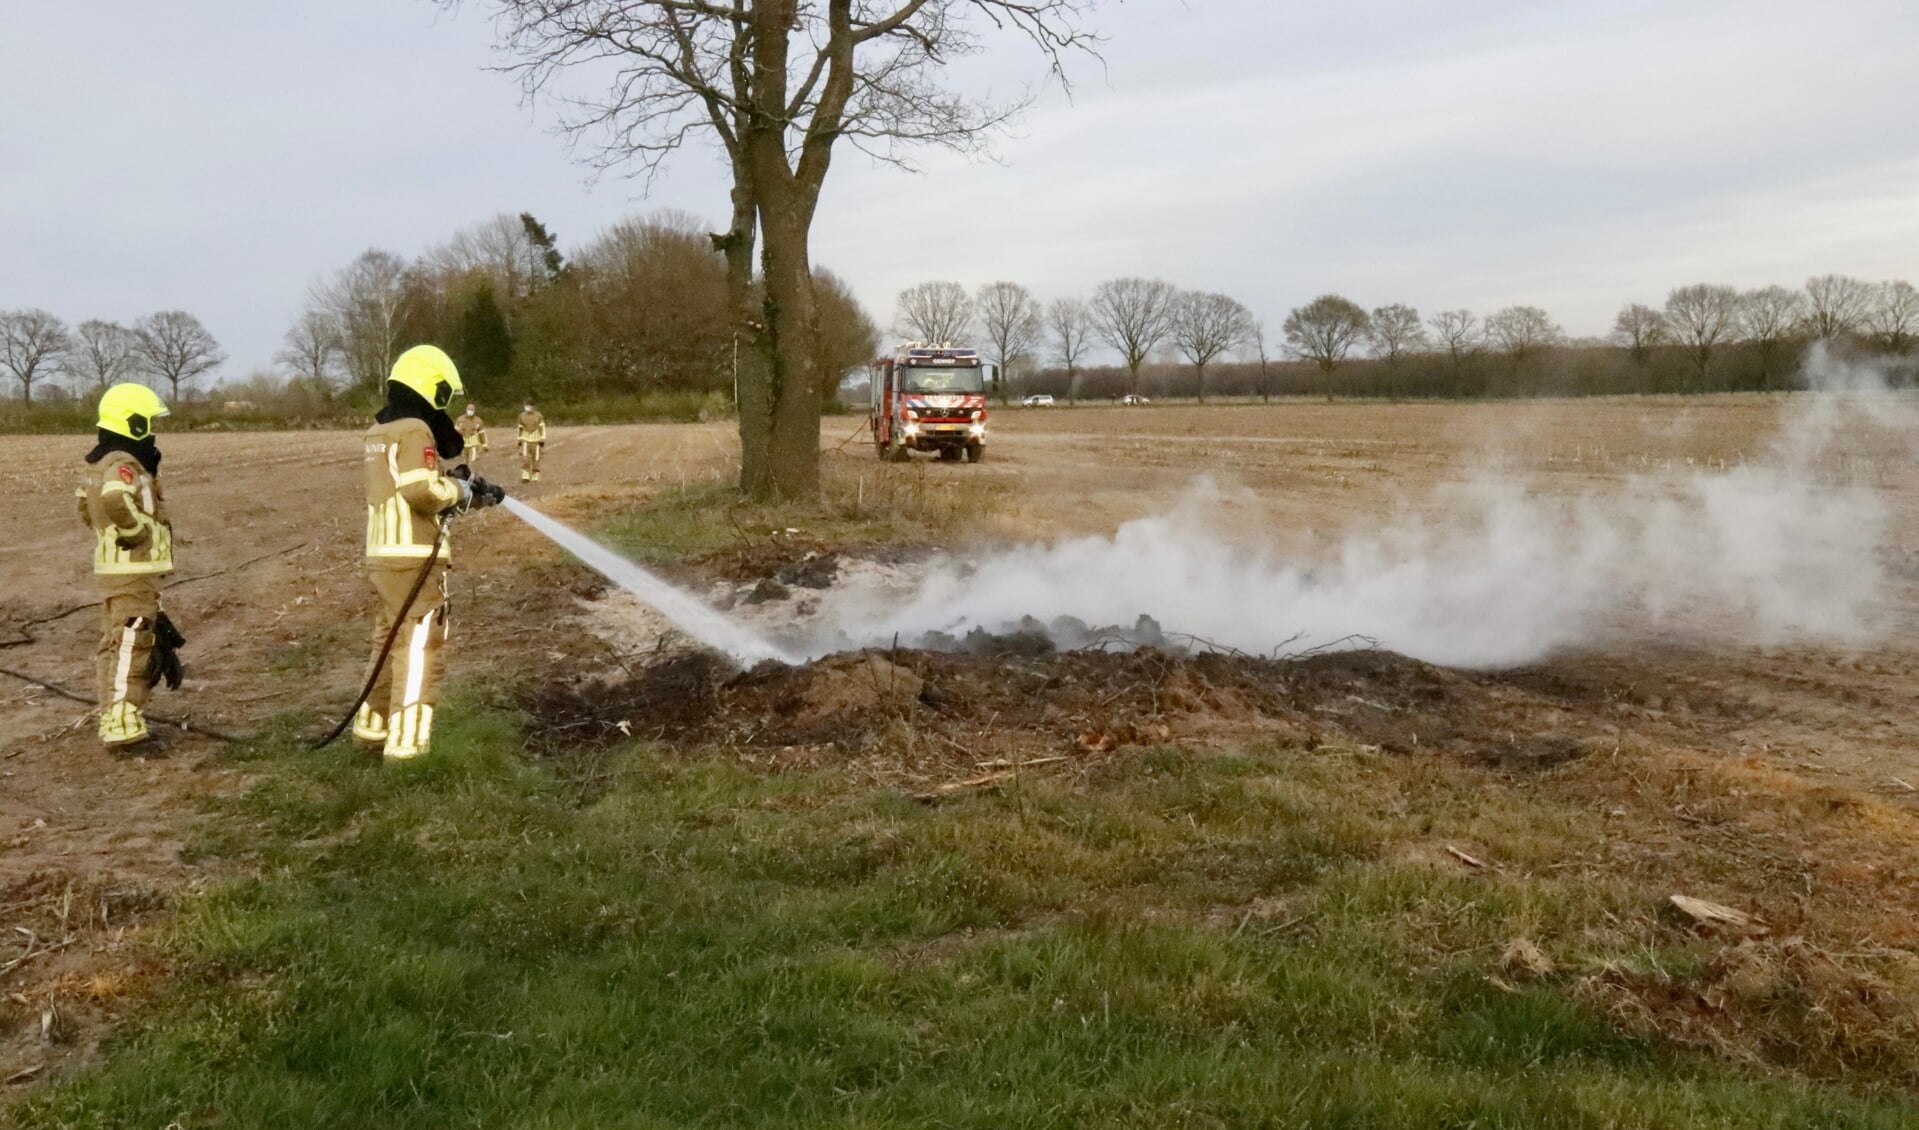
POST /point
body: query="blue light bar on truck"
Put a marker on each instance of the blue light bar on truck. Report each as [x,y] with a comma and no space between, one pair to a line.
[942,356]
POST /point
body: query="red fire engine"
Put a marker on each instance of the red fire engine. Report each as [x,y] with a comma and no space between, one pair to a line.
[930,399]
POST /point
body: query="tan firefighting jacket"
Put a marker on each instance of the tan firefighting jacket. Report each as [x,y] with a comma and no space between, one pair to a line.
[473,428]
[124,508]
[405,492]
[532,427]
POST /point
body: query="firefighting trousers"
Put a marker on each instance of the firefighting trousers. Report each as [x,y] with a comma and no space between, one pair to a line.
[127,617]
[398,712]
[530,461]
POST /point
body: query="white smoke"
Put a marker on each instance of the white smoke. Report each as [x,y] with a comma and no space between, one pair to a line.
[1786,549]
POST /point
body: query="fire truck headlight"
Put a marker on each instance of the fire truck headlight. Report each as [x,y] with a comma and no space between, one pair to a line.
[978,429]
[910,430]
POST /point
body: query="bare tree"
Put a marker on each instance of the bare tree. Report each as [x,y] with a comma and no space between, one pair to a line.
[1641,329]
[1521,331]
[1265,361]
[32,344]
[1324,331]
[102,354]
[1836,306]
[1701,317]
[936,313]
[1458,333]
[1394,331]
[1071,323]
[1894,317]
[779,83]
[311,347]
[174,347]
[1767,316]
[501,248]
[1133,316]
[1206,325]
[1009,316]
[365,302]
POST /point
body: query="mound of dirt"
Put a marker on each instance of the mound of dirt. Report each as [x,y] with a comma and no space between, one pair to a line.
[1017,695]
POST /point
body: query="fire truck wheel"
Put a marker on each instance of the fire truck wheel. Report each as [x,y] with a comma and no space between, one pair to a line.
[975,452]
[949,454]
[899,454]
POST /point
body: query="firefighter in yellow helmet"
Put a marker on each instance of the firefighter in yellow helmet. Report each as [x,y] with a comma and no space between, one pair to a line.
[408,499]
[472,431]
[121,504]
[532,442]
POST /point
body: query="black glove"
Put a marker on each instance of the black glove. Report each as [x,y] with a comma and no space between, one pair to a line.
[164,663]
[487,494]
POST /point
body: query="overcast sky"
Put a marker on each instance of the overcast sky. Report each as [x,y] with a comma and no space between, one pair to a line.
[216,156]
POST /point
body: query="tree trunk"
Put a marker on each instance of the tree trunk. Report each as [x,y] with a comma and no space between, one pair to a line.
[752,393]
[792,327]
[1199,381]
[780,416]
[791,469]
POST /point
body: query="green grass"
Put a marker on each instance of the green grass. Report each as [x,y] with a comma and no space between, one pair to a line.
[1174,941]
[859,506]
[312,652]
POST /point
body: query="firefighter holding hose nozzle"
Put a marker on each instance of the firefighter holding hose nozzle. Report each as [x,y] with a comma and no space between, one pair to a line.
[408,502]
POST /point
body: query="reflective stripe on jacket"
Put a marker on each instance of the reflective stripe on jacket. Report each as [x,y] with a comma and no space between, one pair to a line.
[532,427]
[124,508]
[405,491]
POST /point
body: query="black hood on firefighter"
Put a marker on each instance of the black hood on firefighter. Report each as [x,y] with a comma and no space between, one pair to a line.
[145,450]
[402,403]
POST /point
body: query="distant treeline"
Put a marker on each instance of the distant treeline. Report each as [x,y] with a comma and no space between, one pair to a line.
[632,323]
[1589,369]
[1174,342]
[635,323]
[639,311]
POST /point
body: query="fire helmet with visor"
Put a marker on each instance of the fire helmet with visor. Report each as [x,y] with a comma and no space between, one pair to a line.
[427,370]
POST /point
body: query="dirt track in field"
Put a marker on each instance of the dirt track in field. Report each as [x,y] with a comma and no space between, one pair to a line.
[268,591]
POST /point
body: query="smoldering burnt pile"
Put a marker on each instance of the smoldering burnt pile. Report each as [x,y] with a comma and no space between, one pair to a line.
[1013,698]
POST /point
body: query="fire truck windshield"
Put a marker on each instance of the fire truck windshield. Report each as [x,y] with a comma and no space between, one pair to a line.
[927,378]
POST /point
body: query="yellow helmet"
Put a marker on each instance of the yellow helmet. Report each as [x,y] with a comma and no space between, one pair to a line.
[427,370]
[129,409]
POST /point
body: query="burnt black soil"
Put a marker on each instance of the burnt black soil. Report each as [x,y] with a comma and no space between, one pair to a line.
[1020,700]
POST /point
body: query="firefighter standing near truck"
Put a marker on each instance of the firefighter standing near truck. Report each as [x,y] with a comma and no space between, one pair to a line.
[408,500]
[472,431]
[121,503]
[532,442]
